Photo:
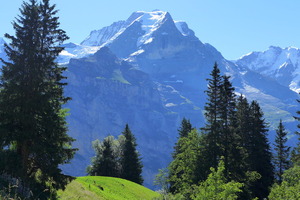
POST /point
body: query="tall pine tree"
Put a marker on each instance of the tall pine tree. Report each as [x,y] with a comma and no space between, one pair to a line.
[131,161]
[183,131]
[212,114]
[32,120]
[228,141]
[282,152]
[259,153]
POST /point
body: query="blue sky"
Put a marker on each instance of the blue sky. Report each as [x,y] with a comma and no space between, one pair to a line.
[234,27]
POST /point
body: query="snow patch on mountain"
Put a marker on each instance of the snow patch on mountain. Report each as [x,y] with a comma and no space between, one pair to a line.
[150,22]
[75,51]
[280,64]
[99,37]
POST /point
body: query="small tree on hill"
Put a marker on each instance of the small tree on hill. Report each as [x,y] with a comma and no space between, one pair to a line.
[105,161]
[130,160]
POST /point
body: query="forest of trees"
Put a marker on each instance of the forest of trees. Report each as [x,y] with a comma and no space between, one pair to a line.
[230,157]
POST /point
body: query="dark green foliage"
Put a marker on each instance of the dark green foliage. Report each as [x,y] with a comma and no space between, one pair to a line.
[228,137]
[212,127]
[32,121]
[235,131]
[131,161]
[282,152]
[117,158]
[220,128]
[184,130]
[259,153]
[105,163]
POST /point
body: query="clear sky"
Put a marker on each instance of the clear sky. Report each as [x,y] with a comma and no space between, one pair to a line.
[234,27]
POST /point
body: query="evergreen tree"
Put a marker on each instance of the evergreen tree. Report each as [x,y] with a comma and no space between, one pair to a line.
[32,121]
[228,141]
[220,113]
[131,161]
[212,114]
[105,161]
[282,152]
[183,131]
[259,153]
[242,131]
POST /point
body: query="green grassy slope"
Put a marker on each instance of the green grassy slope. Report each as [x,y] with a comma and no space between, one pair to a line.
[106,188]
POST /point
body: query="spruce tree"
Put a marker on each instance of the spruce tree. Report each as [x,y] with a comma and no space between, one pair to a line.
[282,152]
[242,130]
[32,121]
[259,153]
[131,161]
[228,141]
[183,131]
[212,114]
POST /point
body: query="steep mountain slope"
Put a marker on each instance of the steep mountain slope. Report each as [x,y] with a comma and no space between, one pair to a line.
[283,65]
[108,93]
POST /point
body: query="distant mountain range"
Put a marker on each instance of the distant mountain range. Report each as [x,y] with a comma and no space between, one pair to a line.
[150,71]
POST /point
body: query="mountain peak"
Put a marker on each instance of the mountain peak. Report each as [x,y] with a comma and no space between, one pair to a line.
[149,23]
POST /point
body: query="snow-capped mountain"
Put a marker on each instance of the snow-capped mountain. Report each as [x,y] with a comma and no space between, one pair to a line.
[149,23]
[131,35]
[283,65]
[176,64]
[150,71]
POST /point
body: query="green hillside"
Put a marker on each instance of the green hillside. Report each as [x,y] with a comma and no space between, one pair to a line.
[106,188]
